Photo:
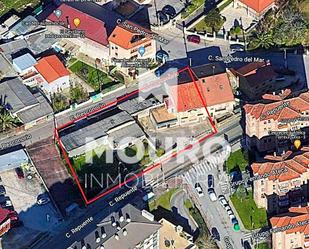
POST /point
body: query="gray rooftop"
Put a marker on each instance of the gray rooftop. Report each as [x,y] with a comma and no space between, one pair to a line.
[15,95]
[135,105]
[6,68]
[13,160]
[138,228]
[23,62]
[13,47]
[23,27]
[38,111]
[94,127]
[130,131]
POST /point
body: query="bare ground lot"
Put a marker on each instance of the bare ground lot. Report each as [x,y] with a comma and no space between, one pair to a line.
[55,174]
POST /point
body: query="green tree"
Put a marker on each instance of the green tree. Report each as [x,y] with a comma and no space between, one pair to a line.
[241,192]
[263,40]
[7,121]
[78,94]
[214,20]
[205,241]
[236,30]
[59,102]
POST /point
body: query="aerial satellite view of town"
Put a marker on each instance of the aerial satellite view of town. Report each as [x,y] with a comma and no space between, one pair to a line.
[154,124]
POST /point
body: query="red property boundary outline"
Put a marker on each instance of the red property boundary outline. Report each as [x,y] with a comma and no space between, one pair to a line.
[74,174]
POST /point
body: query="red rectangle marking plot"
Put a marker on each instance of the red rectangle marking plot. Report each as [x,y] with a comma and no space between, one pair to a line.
[74,174]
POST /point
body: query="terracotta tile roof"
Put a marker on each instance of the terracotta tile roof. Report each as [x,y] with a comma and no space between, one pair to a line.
[295,167]
[51,68]
[285,109]
[127,38]
[258,5]
[93,27]
[215,89]
[293,219]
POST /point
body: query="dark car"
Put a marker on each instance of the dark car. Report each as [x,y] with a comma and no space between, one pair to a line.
[194,38]
[169,10]
[163,17]
[247,245]
[2,190]
[237,48]
[215,233]
[211,181]
[20,173]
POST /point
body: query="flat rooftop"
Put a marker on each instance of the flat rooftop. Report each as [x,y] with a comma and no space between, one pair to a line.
[161,115]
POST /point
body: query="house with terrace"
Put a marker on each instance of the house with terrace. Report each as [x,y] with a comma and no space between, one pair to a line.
[210,87]
[255,8]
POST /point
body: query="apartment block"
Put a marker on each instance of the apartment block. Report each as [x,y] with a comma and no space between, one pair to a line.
[281,181]
[269,126]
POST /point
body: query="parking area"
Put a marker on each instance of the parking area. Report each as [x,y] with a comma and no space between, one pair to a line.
[23,193]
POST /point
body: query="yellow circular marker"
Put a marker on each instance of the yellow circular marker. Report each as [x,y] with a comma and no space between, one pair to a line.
[297,143]
[76,22]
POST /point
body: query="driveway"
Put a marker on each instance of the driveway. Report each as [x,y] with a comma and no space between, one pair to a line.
[178,207]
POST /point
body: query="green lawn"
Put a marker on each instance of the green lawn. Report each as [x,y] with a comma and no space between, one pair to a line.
[201,26]
[18,5]
[237,159]
[262,246]
[163,201]
[246,208]
[94,77]
[194,5]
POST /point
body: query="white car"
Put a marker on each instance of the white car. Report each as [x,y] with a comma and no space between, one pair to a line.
[223,201]
[199,189]
[212,194]
[230,212]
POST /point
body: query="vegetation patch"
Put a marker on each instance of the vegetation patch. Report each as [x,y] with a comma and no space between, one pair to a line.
[251,216]
[96,78]
[238,160]
[213,21]
[18,5]
[163,201]
[192,6]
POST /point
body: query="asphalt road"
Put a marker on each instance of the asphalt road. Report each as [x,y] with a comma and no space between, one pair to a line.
[177,204]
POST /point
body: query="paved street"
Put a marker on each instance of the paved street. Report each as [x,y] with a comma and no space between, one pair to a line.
[177,204]
[213,210]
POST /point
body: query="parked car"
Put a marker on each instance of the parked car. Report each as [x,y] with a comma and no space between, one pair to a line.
[169,10]
[227,242]
[247,245]
[199,189]
[42,200]
[215,233]
[7,203]
[2,190]
[230,212]
[237,48]
[194,38]
[212,194]
[223,201]
[164,19]
[20,173]
[211,183]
